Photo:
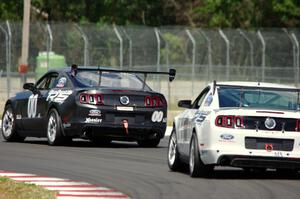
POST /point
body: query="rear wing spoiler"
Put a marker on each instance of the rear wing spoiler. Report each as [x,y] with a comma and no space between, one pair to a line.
[171,73]
[215,85]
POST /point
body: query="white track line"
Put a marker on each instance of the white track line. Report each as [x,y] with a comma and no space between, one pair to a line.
[65,188]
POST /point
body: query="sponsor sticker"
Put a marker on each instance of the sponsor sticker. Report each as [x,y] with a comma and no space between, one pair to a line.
[93,120]
[58,96]
[208,100]
[61,82]
[95,112]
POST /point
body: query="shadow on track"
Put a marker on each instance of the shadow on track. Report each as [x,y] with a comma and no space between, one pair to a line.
[239,174]
[87,144]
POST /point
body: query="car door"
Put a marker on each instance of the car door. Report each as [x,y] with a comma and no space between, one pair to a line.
[35,111]
[188,120]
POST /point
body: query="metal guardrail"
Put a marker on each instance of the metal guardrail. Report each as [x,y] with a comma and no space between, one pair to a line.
[199,55]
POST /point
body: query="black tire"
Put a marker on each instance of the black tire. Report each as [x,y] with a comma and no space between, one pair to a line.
[196,167]
[174,161]
[149,142]
[54,129]
[8,126]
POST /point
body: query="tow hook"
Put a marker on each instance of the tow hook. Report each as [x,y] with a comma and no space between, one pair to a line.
[125,125]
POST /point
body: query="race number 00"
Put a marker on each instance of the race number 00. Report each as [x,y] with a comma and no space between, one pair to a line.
[32,104]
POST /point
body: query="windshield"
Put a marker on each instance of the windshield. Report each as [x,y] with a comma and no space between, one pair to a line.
[111,80]
[258,98]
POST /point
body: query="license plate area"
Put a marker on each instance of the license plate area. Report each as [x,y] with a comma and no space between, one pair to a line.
[277,144]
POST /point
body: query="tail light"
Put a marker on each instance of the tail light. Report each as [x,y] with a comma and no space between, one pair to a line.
[229,121]
[297,125]
[88,98]
[154,101]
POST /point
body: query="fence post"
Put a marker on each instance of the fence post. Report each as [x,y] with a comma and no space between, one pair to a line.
[209,56]
[263,58]
[193,58]
[86,45]
[6,57]
[49,43]
[168,66]
[296,57]
[250,46]
[158,57]
[130,47]
[121,46]
[227,53]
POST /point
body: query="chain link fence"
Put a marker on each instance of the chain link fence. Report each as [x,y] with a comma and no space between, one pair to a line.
[199,55]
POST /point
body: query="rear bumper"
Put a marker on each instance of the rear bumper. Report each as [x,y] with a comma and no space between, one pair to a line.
[117,131]
[259,162]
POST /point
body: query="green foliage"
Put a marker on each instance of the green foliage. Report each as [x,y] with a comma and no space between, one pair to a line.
[200,13]
[11,9]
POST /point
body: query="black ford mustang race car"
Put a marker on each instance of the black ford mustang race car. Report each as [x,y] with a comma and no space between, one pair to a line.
[95,103]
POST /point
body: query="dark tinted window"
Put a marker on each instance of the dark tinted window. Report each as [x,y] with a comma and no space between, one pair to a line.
[258,98]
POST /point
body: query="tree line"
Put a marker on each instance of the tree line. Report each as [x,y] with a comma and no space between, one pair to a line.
[194,13]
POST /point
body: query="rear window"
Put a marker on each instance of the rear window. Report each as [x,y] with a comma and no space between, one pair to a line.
[111,80]
[258,98]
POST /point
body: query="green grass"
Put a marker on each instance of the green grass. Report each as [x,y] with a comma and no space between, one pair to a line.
[10,189]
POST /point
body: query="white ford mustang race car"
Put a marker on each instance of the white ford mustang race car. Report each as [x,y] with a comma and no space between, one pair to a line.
[241,124]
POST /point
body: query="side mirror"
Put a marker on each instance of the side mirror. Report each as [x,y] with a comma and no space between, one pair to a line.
[29,86]
[172,73]
[185,103]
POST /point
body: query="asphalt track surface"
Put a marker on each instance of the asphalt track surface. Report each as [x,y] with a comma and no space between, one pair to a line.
[141,172]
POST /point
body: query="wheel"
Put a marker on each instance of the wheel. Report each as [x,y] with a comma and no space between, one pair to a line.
[8,127]
[101,141]
[196,166]
[54,129]
[149,142]
[174,162]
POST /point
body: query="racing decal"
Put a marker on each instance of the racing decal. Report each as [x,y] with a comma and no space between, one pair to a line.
[58,96]
[208,100]
[200,117]
[31,106]
[93,120]
[95,112]
[61,82]
[157,116]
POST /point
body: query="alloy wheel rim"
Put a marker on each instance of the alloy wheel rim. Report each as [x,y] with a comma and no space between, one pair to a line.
[172,149]
[52,128]
[7,123]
